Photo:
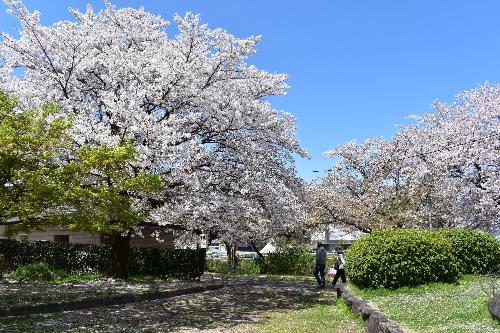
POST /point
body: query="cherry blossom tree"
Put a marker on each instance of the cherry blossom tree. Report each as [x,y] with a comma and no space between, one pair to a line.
[43,182]
[195,110]
[452,160]
[364,190]
[442,170]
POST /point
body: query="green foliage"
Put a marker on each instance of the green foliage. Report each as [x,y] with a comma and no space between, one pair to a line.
[35,272]
[401,257]
[107,205]
[29,177]
[3,265]
[179,263]
[288,262]
[476,251]
[90,258]
[219,266]
[72,258]
[248,267]
[39,187]
[43,272]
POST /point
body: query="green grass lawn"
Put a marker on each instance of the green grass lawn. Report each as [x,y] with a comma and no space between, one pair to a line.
[327,315]
[437,307]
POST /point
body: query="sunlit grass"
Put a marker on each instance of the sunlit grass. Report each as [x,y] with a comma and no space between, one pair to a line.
[437,307]
[323,315]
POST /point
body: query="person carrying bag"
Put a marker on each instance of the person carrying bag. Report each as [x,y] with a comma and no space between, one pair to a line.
[339,267]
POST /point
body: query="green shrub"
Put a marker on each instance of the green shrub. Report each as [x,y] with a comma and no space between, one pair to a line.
[95,258]
[245,266]
[179,263]
[401,257]
[248,266]
[35,272]
[72,258]
[288,262]
[3,264]
[219,266]
[476,252]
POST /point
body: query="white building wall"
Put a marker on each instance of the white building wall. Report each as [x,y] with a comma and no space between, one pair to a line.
[74,236]
[3,230]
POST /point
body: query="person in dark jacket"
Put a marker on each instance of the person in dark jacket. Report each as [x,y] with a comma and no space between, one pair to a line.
[319,270]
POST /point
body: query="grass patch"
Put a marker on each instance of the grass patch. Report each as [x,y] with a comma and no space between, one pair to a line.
[41,272]
[267,276]
[437,307]
[323,315]
[58,278]
[68,278]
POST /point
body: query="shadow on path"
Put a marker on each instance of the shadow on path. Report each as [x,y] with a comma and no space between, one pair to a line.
[243,300]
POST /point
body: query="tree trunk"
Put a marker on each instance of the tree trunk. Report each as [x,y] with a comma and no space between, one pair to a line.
[232,257]
[120,248]
[256,250]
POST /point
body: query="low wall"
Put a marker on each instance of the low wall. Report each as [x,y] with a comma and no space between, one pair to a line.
[375,321]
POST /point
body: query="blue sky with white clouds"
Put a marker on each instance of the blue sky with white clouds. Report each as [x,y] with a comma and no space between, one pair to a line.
[357,68]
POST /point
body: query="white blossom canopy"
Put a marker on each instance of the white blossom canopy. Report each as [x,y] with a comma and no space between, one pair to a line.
[443,170]
[194,108]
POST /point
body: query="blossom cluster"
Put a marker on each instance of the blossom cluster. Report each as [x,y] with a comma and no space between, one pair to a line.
[441,170]
[195,110]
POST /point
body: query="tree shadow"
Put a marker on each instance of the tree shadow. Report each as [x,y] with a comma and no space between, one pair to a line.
[223,309]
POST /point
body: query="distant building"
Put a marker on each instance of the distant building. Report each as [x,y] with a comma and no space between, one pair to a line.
[148,238]
[332,237]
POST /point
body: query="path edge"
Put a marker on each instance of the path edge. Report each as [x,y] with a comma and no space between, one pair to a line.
[375,320]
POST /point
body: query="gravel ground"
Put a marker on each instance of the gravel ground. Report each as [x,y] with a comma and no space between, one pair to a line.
[243,300]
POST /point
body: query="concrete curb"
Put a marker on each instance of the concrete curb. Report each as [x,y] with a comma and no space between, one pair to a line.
[375,321]
[96,302]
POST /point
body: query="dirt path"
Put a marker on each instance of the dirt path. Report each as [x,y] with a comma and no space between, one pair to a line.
[243,300]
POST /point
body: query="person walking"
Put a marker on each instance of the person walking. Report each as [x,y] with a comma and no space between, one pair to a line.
[319,270]
[339,266]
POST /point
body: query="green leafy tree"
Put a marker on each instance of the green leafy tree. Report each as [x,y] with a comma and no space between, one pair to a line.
[45,181]
[103,194]
[30,141]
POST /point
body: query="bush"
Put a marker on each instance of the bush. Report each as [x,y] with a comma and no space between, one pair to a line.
[3,265]
[476,252]
[219,266]
[36,272]
[248,266]
[94,258]
[401,257]
[72,258]
[288,262]
[179,263]
[245,266]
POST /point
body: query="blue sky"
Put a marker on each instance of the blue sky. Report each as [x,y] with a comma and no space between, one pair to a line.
[357,68]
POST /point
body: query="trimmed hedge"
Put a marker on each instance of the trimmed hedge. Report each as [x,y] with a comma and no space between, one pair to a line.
[178,263]
[93,258]
[401,257]
[221,266]
[476,252]
[289,262]
[72,258]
